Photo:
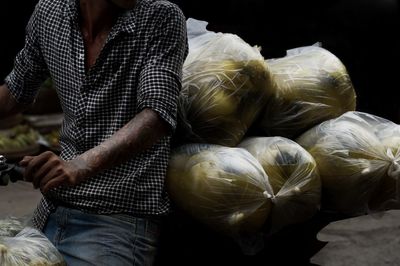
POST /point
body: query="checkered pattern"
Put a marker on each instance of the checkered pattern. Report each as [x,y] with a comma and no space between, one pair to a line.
[139,67]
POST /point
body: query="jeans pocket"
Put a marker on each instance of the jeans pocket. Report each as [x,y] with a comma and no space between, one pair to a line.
[153,227]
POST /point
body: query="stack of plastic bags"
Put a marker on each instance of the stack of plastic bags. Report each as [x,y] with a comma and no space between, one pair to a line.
[343,161]
[228,87]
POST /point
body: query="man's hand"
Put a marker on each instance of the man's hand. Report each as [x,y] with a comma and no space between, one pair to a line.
[47,171]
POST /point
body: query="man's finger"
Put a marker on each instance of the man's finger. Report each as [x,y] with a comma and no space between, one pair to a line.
[42,171]
[35,164]
[53,183]
[52,174]
[24,162]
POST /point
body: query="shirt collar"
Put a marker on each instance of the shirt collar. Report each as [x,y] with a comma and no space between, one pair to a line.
[125,22]
[71,9]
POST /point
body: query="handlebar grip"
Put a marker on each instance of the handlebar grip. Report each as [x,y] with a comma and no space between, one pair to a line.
[12,173]
[17,173]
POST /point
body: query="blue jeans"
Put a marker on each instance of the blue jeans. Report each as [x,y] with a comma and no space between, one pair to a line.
[113,240]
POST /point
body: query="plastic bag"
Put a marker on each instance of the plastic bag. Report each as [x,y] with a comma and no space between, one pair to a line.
[226,83]
[224,188]
[313,86]
[293,175]
[10,227]
[358,162]
[387,195]
[29,248]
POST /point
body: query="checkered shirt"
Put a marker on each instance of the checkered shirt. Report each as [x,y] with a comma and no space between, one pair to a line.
[140,66]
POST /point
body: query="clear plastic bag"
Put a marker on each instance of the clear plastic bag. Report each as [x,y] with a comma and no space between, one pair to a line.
[29,248]
[387,195]
[226,83]
[224,188]
[11,226]
[312,86]
[293,175]
[358,160]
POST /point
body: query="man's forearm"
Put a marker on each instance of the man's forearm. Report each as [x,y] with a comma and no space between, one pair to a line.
[8,105]
[139,134]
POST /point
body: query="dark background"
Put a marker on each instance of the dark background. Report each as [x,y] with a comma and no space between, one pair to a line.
[362,33]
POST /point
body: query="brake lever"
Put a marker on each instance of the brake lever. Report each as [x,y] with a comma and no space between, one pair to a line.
[10,172]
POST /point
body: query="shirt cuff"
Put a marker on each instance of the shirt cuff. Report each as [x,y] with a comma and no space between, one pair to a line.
[160,109]
[159,91]
[17,91]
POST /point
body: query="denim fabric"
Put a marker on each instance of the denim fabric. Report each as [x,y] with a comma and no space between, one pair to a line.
[89,239]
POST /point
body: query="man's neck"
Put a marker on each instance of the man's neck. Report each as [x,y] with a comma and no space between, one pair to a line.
[97,17]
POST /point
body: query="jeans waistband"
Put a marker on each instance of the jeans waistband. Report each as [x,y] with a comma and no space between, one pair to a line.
[129,217]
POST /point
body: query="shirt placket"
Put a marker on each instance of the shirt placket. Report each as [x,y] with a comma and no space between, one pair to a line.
[81,106]
[88,85]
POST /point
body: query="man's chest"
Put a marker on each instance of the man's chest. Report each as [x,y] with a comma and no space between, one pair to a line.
[66,47]
[83,62]
[93,48]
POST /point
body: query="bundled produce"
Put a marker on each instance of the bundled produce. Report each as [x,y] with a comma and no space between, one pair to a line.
[18,139]
[293,175]
[225,188]
[29,248]
[358,160]
[312,86]
[226,83]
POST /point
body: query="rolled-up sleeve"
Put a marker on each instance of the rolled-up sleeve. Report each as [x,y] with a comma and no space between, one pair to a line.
[160,79]
[29,66]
